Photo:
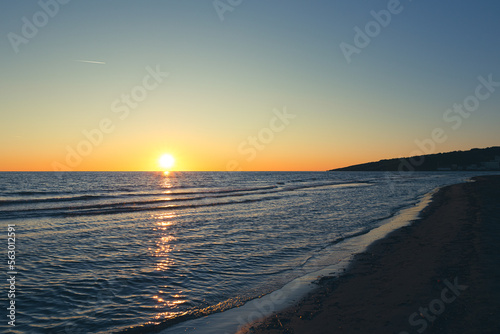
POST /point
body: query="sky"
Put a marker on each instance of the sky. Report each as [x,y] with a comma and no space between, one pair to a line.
[283,85]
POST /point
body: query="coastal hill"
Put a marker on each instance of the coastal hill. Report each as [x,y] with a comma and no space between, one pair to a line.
[476,159]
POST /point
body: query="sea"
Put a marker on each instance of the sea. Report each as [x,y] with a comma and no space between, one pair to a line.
[185,252]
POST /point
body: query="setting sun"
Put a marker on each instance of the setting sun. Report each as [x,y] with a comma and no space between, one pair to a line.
[167,161]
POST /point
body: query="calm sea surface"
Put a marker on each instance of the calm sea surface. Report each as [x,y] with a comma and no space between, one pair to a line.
[137,252]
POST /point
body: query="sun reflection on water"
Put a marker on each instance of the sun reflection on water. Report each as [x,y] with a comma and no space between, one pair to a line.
[167,302]
[164,241]
[167,179]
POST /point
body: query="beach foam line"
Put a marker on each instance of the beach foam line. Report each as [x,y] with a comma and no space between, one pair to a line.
[236,320]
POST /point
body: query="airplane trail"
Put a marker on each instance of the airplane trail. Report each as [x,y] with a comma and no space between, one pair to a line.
[91,62]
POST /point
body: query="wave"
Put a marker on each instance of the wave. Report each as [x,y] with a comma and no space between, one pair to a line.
[209,194]
[117,195]
[118,209]
[34,193]
[52,199]
[105,207]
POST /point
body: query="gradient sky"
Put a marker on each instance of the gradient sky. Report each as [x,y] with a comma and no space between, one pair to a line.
[228,79]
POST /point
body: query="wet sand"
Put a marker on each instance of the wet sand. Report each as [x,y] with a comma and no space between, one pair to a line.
[439,275]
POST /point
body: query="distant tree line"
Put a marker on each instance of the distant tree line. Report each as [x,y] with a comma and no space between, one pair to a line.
[475,159]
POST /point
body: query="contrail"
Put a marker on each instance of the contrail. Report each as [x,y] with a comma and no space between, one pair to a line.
[91,62]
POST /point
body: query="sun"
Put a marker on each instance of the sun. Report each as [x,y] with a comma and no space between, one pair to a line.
[167,161]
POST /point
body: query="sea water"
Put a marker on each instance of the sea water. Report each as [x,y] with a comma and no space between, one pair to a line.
[138,252]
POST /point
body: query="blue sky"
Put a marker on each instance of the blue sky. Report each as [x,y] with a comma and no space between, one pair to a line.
[225,78]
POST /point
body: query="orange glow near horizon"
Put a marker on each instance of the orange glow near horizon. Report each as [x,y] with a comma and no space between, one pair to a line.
[125,155]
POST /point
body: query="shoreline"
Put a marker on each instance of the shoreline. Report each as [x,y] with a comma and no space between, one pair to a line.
[403,283]
[240,318]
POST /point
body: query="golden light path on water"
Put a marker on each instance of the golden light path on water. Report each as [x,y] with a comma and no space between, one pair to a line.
[163,248]
[161,251]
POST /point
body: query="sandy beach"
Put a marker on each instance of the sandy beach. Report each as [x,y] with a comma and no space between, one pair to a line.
[439,275]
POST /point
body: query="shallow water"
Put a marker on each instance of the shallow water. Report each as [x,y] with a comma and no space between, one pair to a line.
[138,252]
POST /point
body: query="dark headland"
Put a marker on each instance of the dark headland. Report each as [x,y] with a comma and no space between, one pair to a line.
[485,159]
[439,275]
